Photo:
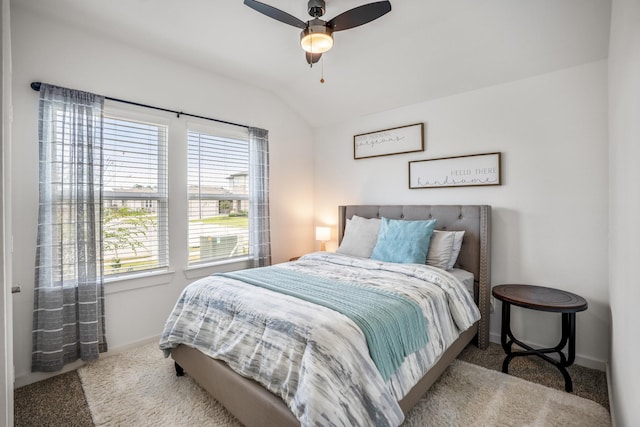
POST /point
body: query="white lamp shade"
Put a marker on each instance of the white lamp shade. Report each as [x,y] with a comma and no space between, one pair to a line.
[323,233]
[317,43]
[316,38]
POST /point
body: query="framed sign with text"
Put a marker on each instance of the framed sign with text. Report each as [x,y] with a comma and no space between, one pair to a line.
[403,139]
[460,171]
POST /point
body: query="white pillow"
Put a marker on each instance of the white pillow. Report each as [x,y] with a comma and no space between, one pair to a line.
[440,249]
[457,244]
[360,236]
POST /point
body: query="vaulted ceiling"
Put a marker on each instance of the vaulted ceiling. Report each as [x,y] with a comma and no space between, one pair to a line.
[421,50]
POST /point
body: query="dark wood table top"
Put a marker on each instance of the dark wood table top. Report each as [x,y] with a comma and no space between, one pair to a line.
[540,298]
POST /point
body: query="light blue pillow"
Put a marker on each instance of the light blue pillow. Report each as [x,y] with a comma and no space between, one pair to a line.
[403,241]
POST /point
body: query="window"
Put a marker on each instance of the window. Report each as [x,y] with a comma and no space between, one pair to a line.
[218,191]
[135,211]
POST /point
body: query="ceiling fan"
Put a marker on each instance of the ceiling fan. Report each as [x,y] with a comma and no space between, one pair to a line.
[317,34]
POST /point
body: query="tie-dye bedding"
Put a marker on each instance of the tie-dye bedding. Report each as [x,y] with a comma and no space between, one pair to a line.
[392,324]
[314,358]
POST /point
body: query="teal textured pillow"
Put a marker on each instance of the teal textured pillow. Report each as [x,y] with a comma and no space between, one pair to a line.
[403,241]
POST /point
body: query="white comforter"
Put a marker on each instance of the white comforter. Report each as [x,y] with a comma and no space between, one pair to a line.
[315,358]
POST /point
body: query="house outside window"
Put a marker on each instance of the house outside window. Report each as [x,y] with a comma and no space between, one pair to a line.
[218,193]
[135,201]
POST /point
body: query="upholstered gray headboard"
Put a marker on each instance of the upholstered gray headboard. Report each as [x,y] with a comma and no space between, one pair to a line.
[475,255]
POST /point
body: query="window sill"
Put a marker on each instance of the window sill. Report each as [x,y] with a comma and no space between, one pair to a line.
[131,282]
[198,271]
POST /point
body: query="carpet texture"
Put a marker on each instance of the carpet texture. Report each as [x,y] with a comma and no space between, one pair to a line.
[588,383]
[57,401]
[139,387]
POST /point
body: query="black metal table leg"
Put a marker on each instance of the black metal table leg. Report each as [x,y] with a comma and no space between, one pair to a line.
[568,337]
[542,299]
[504,334]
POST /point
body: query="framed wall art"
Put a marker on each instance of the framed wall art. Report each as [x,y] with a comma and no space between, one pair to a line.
[459,171]
[403,139]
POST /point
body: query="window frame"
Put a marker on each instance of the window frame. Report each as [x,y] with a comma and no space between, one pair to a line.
[217,130]
[119,112]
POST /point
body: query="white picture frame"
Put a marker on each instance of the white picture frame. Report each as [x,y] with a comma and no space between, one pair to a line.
[398,140]
[460,171]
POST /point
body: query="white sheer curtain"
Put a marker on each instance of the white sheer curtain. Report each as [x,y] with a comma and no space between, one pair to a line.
[68,316]
[260,238]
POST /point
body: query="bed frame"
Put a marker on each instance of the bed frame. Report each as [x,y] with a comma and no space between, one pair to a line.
[254,405]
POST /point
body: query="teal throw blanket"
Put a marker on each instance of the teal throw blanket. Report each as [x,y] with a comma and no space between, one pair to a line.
[393,324]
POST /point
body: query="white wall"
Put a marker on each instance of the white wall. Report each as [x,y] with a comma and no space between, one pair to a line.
[624,139]
[550,216]
[50,52]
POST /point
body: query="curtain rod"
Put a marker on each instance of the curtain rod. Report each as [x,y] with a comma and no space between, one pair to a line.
[36,86]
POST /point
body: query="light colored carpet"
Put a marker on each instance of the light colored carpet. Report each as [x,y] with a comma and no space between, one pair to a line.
[139,387]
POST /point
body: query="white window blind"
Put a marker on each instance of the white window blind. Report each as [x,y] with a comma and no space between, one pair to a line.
[218,189]
[135,211]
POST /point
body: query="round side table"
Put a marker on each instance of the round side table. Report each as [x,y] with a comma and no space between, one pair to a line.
[542,299]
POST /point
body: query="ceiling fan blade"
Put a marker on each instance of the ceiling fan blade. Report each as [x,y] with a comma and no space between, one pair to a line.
[312,58]
[276,14]
[360,15]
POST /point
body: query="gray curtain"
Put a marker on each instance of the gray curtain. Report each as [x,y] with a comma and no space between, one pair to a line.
[260,238]
[68,316]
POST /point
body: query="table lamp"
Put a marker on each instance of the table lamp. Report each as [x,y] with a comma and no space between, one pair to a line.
[323,234]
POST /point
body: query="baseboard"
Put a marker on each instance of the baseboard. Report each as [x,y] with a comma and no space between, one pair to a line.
[131,345]
[587,362]
[33,377]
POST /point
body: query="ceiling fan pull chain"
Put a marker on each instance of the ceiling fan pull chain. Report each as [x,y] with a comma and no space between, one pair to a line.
[322,69]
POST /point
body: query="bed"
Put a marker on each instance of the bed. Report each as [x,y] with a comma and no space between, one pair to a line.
[254,405]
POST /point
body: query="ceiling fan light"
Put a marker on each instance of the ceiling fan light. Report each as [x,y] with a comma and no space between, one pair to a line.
[316,39]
